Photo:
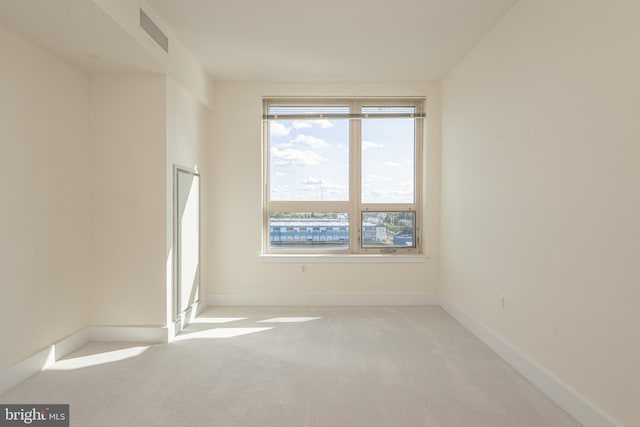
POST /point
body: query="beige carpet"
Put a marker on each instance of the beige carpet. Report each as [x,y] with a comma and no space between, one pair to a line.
[320,366]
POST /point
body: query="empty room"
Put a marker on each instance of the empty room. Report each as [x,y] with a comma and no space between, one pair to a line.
[337,213]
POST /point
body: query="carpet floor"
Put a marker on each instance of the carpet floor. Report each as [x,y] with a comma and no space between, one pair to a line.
[297,366]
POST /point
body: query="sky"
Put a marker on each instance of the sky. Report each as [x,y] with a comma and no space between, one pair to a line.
[309,160]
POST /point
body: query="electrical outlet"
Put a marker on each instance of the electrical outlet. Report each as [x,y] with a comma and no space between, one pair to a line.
[303,268]
[503,302]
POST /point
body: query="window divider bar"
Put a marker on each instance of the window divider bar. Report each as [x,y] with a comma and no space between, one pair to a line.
[354,116]
[355,128]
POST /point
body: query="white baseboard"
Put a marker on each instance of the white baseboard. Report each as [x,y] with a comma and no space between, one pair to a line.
[71,343]
[200,305]
[146,334]
[185,318]
[19,372]
[564,396]
[347,299]
[35,363]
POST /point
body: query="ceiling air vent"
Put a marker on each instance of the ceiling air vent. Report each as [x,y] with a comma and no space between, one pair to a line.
[154,31]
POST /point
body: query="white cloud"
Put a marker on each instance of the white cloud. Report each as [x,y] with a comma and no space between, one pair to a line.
[398,193]
[311,141]
[281,189]
[368,144]
[322,123]
[325,187]
[278,129]
[291,157]
[377,178]
[391,164]
[312,181]
[404,189]
[336,189]
[302,124]
[279,174]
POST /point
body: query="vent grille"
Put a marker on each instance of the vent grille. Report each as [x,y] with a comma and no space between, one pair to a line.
[154,31]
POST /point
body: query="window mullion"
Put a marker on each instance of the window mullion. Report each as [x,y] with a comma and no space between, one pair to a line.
[418,179]
[388,207]
[355,145]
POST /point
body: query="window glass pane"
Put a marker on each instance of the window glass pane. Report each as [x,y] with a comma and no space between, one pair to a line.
[309,160]
[388,229]
[388,160]
[316,230]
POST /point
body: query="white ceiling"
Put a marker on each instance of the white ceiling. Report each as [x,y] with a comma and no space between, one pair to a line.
[78,31]
[329,40]
[272,40]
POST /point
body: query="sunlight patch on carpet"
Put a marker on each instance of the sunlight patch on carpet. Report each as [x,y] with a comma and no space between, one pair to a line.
[97,359]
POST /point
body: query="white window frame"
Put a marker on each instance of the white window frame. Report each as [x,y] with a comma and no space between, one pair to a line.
[354,205]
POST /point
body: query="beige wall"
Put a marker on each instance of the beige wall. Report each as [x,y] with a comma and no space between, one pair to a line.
[87,174]
[128,219]
[44,216]
[142,124]
[188,139]
[235,214]
[540,192]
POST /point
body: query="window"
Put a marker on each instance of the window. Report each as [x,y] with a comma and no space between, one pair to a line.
[342,176]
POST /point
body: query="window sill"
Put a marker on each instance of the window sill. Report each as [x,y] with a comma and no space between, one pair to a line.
[341,259]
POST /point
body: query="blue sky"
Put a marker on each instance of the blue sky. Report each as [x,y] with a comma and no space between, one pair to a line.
[309,160]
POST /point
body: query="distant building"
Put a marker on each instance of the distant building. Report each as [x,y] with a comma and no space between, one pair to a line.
[400,239]
[374,232]
[288,231]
